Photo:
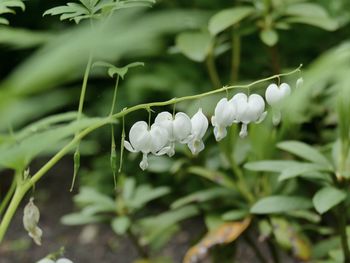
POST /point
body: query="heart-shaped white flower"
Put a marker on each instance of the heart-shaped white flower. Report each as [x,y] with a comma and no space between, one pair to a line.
[199,127]
[248,109]
[179,128]
[224,116]
[145,140]
[274,96]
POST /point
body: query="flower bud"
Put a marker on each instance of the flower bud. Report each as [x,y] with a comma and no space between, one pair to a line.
[223,117]
[199,127]
[30,221]
[300,82]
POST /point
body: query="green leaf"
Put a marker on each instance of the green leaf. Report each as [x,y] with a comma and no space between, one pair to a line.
[235,215]
[202,196]
[324,23]
[194,45]
[269,37]
[120,225]
[280,204]
[327,198]
[299,169]
[23,38]
[88,196]
[81,219]
[214,176]
[128,188]
[145,193]
[113,70]
[304,151]
[275,166]
[227,18]
[71,11]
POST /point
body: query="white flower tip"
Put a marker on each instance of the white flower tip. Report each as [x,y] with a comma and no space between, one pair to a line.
[220,133]
[299,83]
[144,162]
[276,118]
[244,131]
[128,146]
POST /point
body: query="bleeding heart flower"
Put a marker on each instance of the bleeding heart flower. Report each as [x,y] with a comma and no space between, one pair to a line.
[224,116]
[248,109]
[199,127]
[274,96]
[64,260]
[178,128]
[45,260]
[145,140]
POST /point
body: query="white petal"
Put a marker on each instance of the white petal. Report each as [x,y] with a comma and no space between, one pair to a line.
[196,146]
[220,133]
[45,260]
[300,83]
[64,260]
[262,117]
[159,137]
[128,146]
[224,113]
[240,104]
[244,130]
[182,126]
[165,120]
[276,117]
[140,138]
[199,124]
[275,94]
[144,162]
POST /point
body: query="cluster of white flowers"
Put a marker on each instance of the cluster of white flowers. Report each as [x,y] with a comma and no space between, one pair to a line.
[161,136]
[61,260]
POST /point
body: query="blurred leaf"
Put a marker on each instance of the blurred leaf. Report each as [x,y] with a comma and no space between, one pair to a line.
[224,234]
[145,193]
[322,248]
[81,219]
[194,45]
[228,17]
[280,204]
[290,238]
[128,188]
[305,151]
[305,214]
[299,169]
[215,176]
[88,196]
[235,215]
[120,225]
[19,154]
[327,198]
[275,166]
[269,37]
[202,196]
[324,23]
[121,71]
[23,38]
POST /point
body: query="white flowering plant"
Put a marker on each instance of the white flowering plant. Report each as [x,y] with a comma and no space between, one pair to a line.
[216,153]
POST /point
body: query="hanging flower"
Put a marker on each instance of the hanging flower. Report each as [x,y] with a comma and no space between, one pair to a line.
[46,260]
[274,96]
[145,140]
[248,109]
[64,260]
[223,117]
[31,218]
[199,127]
[178,128]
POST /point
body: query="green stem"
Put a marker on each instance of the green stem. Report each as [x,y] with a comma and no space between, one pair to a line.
[21,191]
[236,55]
[84,86]
[114,96]
[8,196]
[213,74]
[342,229]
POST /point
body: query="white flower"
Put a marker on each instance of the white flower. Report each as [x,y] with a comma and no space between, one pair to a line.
[199,127]
[274,96]
[223,117]
[145,140]
[64,260]
[31,218]
[178,128]
[45,260]
[248,109]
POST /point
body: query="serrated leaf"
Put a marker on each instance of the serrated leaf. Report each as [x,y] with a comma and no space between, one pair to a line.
[276,166]
[194,45]
[120,225]
[202,196]
[6,6]
[327,198]
[269,37]
[280,204]
[227,18]
[224,234]
[121,71]
[304,151]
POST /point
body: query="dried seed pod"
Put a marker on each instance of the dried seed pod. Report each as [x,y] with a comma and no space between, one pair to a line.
[30,221]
